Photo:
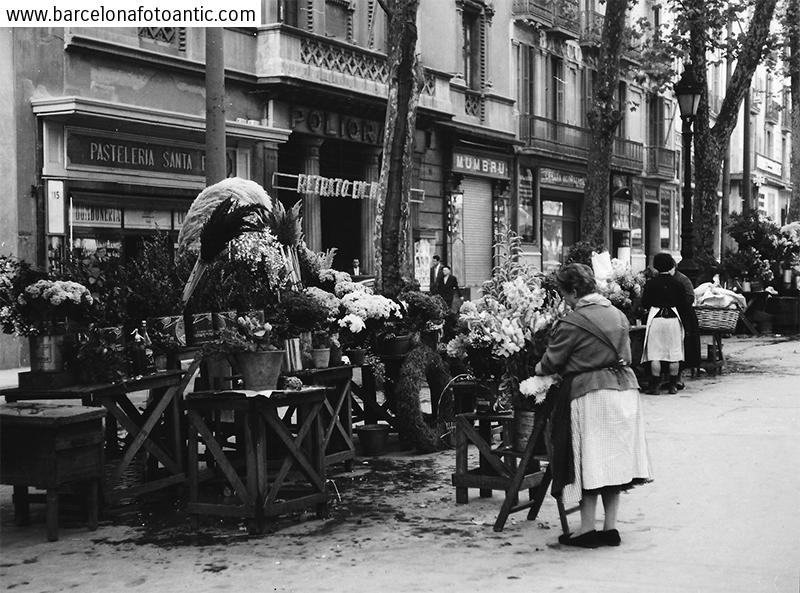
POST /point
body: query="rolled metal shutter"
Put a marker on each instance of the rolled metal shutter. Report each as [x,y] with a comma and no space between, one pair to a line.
[477,213]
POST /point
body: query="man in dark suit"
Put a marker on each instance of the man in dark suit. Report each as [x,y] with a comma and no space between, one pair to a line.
[355,269]
[448,289]
[436,275]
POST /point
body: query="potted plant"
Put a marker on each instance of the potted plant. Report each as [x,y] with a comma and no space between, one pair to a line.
[155,281]
[378,317]
[305,314]
[252,346]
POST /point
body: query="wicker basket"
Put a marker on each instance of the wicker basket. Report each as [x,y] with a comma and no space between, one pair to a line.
[717,319]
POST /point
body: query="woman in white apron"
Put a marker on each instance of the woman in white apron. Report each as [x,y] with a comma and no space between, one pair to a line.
[663,298]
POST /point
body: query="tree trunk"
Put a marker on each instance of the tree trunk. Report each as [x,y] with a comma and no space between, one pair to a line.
[793,38]
[709,142]
[604,116]
[393,207]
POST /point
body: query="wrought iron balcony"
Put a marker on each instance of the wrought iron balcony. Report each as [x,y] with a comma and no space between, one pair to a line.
[660,162]
[591,28]
[772,112]
[566,22]
[628,155]
[540,11]
[566,140]
[553,136]
[559,17]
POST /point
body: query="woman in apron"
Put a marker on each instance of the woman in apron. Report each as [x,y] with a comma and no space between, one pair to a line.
[664,297]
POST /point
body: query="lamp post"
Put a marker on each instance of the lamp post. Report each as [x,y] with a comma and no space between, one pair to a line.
[688,91]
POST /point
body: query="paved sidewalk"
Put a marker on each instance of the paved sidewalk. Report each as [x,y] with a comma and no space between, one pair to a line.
[721,516]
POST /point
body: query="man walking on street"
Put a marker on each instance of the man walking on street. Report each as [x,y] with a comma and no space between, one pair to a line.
[436,275]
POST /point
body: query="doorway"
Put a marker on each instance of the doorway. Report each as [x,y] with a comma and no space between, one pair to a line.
[340,216]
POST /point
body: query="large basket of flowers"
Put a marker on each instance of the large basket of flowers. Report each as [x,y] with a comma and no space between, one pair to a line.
[717,319]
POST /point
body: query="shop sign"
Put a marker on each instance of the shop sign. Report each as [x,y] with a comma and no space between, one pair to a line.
[148,219]
[55,207]
[474,163]
[96,216]
[557,178]
[140,155]
[333,187]
[335,125]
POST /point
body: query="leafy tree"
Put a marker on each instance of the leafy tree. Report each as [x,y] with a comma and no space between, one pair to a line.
[393,206]
[791,26]
[604,116]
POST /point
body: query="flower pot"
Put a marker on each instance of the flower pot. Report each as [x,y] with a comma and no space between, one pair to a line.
[522,428]
[393,346]
[161,361]
[356,356]
[320,358]
[373,438]
[48,353]
[260,369]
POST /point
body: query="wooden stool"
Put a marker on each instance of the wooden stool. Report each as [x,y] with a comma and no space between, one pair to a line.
[46,446]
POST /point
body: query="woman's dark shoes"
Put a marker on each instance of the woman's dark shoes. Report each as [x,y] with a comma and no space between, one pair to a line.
[590,539]
[610,537]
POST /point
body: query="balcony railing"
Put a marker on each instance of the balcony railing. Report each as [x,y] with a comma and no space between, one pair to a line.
[591,28]
[660,162]
[772,112]
[560,17]
[565,19]
[553,136]
[548,135]
[536,10]
[628,154]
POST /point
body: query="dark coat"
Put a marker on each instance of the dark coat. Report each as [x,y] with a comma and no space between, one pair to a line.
[436,279]
[448,288]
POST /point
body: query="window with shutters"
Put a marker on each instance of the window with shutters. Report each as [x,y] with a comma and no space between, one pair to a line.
[589,83]
[622,100]
[556,88]
[288,12]
[656,116]
[471,54]
[526,60]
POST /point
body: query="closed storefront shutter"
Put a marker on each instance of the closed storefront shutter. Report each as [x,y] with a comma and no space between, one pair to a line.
[477,231]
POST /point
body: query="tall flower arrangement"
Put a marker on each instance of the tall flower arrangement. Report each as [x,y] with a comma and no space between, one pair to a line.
[504,333]
[623,288]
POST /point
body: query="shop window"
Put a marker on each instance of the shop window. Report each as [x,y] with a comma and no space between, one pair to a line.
[526,211]
[560,231]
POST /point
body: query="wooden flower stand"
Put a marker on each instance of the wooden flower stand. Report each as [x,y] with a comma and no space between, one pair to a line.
[501,467]
[337,412]
[277,468]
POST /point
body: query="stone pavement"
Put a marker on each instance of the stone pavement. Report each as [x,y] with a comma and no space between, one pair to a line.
[721,516]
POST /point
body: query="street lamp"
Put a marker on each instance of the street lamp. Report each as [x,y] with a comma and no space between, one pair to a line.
[688,91]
